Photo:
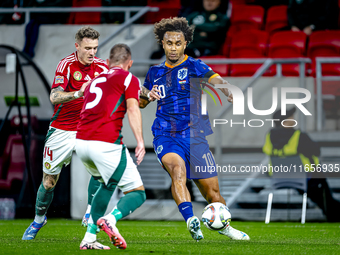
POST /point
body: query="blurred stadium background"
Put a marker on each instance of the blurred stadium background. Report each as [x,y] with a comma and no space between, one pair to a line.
[253,54]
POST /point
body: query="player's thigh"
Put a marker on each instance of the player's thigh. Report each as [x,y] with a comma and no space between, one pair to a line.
[110,160]
[171,155]
[202,162]
[59,146]
[84,152]
[131,178]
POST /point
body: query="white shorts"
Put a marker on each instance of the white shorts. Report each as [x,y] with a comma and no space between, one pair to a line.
[59,146]
[110,162]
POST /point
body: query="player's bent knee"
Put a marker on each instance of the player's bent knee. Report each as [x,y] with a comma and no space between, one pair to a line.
[139,188]
[178,174]
[48,185]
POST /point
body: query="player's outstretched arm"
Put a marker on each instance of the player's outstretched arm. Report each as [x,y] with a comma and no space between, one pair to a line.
[218,80]
[59,96]
[135,120]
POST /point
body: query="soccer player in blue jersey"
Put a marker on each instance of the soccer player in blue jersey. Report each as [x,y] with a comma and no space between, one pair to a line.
[179,128]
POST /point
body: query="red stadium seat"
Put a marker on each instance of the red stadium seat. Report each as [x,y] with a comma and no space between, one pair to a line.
[167,9]
[246,17]
[13,161]
[85,17]
[324,44]
[222,69]
[276,18]
[287,44]
[247,44]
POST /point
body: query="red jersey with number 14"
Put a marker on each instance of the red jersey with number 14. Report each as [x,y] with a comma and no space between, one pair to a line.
[71,75]
[101,118]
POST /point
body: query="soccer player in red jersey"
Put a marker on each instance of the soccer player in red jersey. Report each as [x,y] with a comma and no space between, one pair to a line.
[71,78]
[99,145]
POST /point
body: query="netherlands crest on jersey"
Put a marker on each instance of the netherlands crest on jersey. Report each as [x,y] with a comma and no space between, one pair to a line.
[182,73]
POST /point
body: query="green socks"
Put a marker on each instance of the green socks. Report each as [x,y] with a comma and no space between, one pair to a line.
[44,199]
[92,189]
[100,201]
[129,203]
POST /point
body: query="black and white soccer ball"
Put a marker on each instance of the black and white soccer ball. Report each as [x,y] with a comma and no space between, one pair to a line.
[216,216]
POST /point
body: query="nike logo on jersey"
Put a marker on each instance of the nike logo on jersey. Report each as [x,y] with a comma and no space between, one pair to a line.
[156,79]
[87,77]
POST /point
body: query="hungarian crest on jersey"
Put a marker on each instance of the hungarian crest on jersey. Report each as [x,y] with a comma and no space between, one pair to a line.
[182,73]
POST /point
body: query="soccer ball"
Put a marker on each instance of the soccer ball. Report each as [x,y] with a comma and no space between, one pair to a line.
[216,216]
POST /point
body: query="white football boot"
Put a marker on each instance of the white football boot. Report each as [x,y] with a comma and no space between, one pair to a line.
[194,227]
[234,234]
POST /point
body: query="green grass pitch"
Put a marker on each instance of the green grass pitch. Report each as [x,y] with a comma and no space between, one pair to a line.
[62,236]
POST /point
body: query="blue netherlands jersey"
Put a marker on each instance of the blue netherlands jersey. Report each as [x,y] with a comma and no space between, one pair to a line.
[179,109]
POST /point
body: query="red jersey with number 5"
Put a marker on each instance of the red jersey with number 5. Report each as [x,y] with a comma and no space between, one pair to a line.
[71,75]
[101,118]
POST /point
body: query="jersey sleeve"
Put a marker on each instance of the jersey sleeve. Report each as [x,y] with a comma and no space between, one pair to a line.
[204,71]
[132,88]
[147,83]
[61,75]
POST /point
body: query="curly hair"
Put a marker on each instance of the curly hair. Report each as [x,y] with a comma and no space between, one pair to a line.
[173,25]
[87,32]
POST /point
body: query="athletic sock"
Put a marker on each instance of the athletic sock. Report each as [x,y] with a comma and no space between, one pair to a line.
[88,209]
[39,219]
[128,204]
[91,232]
[91,190]
[44,200]
[185,209]
[100,201]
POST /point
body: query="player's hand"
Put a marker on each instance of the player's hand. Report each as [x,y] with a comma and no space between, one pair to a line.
[82,89]
[295,29]
[308,30]
[230,97]
[154,93]
[140,152]
[228,94]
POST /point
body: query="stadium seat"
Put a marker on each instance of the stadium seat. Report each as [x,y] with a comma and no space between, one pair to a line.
[247,44]
[287,44]
[12,161]
[246,17]
[167,9]
[85,17]
[324,44]
[222,69]
[276,18]
[285,180]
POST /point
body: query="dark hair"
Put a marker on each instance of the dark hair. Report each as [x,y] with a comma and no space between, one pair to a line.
[87,32]
[173,25]
[119,53]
